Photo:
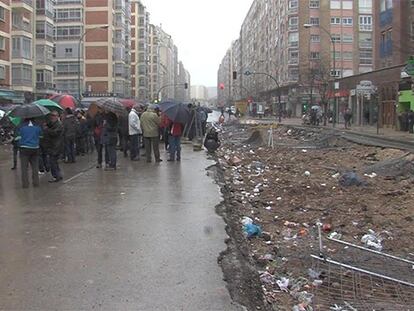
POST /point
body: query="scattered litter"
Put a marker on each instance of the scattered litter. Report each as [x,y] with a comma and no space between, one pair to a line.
[252,230]
[267,278]
[372,240]
[335,235]
[304,150]
[283,284]
[351,179]
[307,173]
[246,221]
[336,175]
[372,175]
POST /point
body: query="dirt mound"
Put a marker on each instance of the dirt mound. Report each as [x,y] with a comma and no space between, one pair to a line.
[398,167]
[255,139]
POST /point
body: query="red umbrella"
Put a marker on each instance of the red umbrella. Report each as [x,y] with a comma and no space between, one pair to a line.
[128,103]
[65,101]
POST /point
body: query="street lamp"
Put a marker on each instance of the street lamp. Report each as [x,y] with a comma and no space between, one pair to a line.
[79,56]
[308,26]
[249,73]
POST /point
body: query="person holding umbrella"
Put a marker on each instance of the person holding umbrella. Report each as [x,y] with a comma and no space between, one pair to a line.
[150,125]
[53,140]
[70,128]
[175,132]
[134,126]
[29,135]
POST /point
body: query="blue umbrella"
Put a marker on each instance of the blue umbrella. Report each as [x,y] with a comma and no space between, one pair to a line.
[176,111]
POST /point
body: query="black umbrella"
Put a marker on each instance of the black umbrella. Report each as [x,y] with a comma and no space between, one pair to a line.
[175,111]
[29,111]
[108,104]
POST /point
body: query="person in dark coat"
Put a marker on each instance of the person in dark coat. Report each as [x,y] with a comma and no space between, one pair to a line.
[81,134]
[53,141]
[123,131]
[29,135]
[410,121]
[110,139]
[70,129]
[97,126]
[15,144]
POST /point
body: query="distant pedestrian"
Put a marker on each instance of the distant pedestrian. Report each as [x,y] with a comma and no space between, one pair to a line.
[15,143]
[97,127]
[53,138]
[150,125]
[347,118]
[176,130]
[70,129]
[134,132]
[110,139]
[411,121]
[123,132]
[29,135]
[81,134]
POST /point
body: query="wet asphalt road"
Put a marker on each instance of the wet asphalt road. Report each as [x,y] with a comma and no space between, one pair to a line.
[145,237]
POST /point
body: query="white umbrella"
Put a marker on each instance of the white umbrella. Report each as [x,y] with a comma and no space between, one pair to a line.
[2,113]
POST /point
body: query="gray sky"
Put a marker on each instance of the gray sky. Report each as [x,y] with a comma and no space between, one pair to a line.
[202,30]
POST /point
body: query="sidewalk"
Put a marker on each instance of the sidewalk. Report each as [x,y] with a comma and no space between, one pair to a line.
[369,131]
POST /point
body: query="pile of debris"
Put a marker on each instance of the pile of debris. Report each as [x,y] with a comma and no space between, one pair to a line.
[282,198]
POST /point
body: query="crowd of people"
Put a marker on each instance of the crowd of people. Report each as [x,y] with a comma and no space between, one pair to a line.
[68,135]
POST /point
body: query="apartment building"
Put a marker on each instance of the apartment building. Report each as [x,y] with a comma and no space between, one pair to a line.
[199,93]
[23,17]
[303,44]
[153,62]
[167,53]
[140,41]
[394,32]
[225,80]
[5,44]
[44,43]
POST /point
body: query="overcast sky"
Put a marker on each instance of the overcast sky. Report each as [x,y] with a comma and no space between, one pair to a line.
[202,30]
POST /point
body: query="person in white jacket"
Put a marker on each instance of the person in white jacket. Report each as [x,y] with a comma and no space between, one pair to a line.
[134,132]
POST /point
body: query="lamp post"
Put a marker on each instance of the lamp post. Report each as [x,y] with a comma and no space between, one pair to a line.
[308,26]
[248,73]
[79,56]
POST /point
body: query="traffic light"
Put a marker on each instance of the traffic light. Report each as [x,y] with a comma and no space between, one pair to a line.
[186,85]
[221,86]
[234,75]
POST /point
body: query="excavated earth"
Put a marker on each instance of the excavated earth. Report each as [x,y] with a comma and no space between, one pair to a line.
[287,190]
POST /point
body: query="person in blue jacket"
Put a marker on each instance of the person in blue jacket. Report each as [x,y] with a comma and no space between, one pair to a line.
[29,135]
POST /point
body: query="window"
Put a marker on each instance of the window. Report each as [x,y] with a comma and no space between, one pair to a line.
[293,23]
[412,30]
[293,4]
[365,23]
[315,38]
[2,14]
[44,76]
[68,15]
[365,40]
[314,55]
[365,6]
[335,37]
[2,72]
[293,39]
[293,74]
[68,32]
[67,68]
[335,20]
[347,21]
[336,73]
[44,30]
[365,57]
[347,55]
[68,52]
[314,21]
[314,4]
[336,55]
[294,57]
[335,4]
[22,75]
[21,47]
[2,43]
[347,38]
[386,5]
[347,5]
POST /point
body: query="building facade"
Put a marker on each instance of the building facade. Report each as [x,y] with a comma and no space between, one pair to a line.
[5,44]
[303,45]
[199,93]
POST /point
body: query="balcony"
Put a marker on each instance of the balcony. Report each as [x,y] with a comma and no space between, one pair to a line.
[26,5]
[44,85]
[22,26]
[386,18]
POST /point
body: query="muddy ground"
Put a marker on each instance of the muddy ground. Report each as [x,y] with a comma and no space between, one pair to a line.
[290,188]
